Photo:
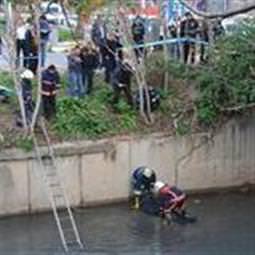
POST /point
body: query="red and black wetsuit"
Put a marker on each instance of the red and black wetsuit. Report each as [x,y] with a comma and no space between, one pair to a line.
[169,196]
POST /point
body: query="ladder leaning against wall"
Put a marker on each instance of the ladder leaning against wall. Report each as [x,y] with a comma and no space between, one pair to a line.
[57,196]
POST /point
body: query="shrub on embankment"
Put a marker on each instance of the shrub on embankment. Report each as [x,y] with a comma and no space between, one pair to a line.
[222,85]
[93,116]
[226,83]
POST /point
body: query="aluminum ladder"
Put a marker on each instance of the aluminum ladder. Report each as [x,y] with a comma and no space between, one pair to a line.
[60,204]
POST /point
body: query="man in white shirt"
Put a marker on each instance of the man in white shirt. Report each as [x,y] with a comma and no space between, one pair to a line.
[21,42]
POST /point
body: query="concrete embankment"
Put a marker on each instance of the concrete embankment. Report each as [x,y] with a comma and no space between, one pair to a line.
[99,172]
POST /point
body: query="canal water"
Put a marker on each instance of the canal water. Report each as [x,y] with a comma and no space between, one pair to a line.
[225,226]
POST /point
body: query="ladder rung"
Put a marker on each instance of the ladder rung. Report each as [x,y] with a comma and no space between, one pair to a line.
[68,230]
[73,242]
[54,184]
[51,174]
[58,195]
[65,218]
[68,233]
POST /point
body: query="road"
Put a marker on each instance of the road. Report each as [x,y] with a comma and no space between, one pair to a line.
[226,226]
[58,59]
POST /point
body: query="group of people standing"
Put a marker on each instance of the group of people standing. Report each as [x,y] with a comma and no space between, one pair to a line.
[33,47]
[104,52]
[195,34]
[82,63]
[30,44]
[50,80]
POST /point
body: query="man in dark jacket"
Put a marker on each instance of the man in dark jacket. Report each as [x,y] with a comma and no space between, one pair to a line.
[45,31]
[99,36]
[174,48]
[90,61]
[76,88]
[31,48]
[138,32]
[50,85]
[112,53]
[204,37]
[218,29]
[189,30]
[121,81]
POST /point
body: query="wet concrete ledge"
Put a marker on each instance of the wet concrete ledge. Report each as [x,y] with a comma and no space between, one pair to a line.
[98,172]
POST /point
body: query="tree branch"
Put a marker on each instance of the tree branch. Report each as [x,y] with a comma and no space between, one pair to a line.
[222,15]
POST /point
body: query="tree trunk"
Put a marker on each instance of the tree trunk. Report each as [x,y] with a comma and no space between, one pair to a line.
[39,70]
[10,39]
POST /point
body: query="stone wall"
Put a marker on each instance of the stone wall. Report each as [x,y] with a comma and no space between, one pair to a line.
[99,172]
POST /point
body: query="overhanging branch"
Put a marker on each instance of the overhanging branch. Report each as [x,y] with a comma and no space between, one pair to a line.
[222,15]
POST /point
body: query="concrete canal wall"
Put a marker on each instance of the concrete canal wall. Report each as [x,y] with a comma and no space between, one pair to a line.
[99,172]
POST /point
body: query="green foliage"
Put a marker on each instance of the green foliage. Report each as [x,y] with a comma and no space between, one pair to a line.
[127,119]
[183,126]
[2,25]
[156,68]
[92,117]
[76,117]
[25,143]
[6,79]
[207,111]
[228,79]
[65,35]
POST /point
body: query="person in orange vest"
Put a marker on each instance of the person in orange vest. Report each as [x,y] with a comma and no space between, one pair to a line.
[50,85]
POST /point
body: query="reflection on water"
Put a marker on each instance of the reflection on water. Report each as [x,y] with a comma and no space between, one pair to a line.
[226,226]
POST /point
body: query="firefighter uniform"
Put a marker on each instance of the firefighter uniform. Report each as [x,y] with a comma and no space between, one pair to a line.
[50,83]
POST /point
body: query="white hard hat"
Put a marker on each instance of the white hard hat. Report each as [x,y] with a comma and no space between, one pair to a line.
[27,74]
[158,185]
[147,172]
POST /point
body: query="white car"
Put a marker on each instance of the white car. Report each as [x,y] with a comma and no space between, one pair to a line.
[54,14]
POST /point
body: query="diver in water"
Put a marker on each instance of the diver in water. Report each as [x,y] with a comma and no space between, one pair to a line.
[171,200]
[143,180]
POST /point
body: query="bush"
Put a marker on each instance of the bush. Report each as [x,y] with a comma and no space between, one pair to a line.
[6,80]
[65,35]
[92,117]
[228,79]
[25,143]
[81,117]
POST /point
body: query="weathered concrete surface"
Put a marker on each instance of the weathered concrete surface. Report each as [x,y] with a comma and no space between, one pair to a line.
[14,188]
[99,172]
[105,176]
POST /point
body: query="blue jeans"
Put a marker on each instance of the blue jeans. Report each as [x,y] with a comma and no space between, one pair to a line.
[75,84]
[174,49]
[43,50]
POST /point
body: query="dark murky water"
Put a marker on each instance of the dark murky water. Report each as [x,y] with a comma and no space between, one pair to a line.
[226,226]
